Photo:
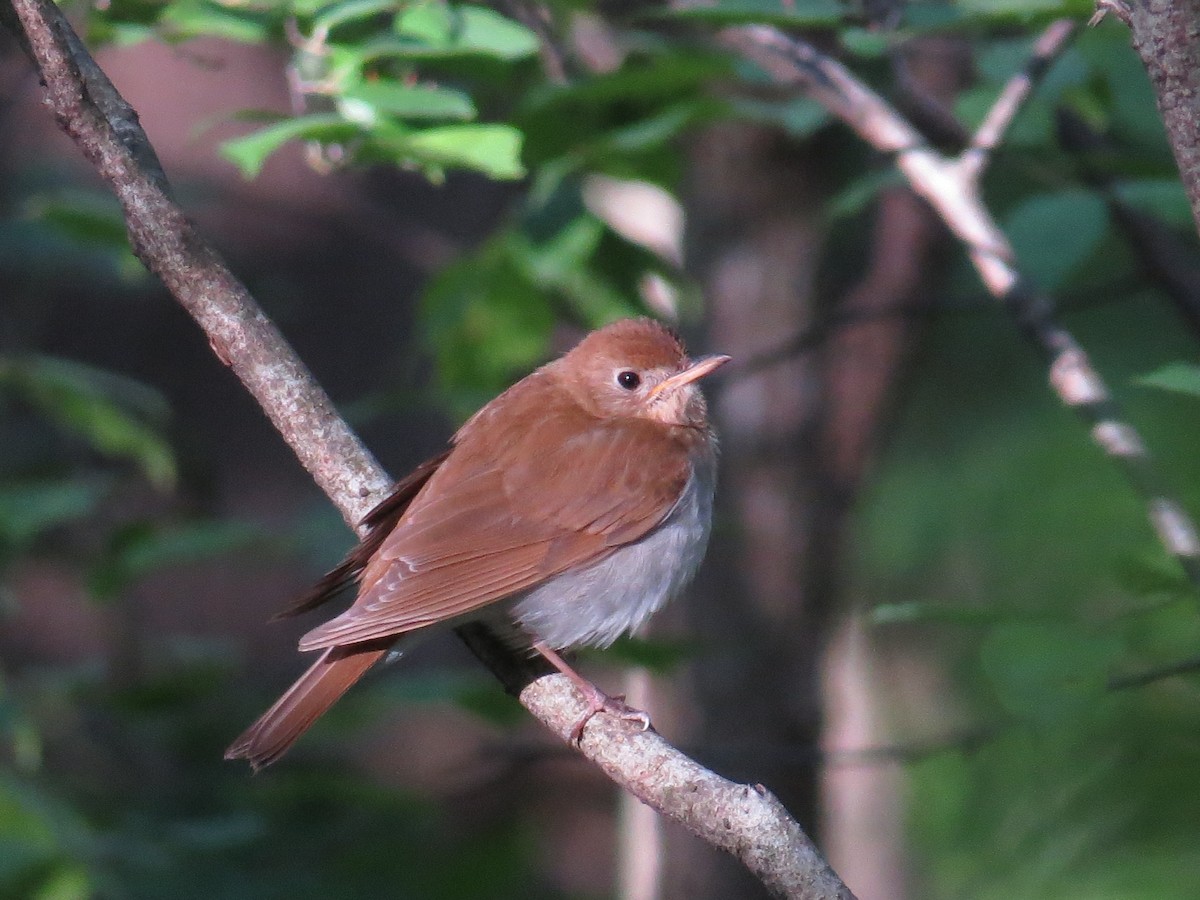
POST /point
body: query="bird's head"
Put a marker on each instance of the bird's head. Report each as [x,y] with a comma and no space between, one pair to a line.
[637,368]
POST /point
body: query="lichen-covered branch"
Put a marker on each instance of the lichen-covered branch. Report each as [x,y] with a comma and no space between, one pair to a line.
[745,820]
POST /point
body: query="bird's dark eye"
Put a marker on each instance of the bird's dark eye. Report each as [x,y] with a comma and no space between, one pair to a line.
[629,380]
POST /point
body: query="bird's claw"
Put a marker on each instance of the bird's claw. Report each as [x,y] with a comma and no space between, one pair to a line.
[615,706]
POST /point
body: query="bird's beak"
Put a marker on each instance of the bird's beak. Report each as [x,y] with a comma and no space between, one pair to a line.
[705,365]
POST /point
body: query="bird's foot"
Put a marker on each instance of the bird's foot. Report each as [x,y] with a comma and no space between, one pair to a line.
[598,701]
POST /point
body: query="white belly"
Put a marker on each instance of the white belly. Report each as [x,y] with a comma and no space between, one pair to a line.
[594,606]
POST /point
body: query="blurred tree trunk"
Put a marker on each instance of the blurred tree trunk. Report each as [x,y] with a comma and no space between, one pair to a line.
[1165,36]
[797,438]
[756,241]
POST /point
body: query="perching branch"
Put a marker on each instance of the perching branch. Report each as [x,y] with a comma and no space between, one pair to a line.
[951,186]
[744,820]
[1141,679]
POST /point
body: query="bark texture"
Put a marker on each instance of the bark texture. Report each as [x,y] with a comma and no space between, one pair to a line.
[1166,35]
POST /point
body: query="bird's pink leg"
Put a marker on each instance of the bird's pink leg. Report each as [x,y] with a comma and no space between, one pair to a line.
[597,700]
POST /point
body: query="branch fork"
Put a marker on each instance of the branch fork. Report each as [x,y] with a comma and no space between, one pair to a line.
[951,185]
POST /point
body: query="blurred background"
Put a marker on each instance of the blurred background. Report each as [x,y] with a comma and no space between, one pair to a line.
[929,600]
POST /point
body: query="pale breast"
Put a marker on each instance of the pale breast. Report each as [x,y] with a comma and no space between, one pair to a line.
[594,606]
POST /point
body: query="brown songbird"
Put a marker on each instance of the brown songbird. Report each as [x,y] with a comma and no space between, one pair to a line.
[566,512]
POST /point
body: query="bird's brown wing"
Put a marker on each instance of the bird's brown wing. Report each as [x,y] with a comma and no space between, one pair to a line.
[379,523]
[500,518]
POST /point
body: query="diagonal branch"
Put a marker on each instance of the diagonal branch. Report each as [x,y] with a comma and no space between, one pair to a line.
[950,185]
[744,820]
[1164,258]
[991,130]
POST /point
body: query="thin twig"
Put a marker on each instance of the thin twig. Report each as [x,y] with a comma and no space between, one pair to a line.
[950,186]
[1141,679]
[931,114]
[1165,259]
[816,334]
[743,819]
[1002,112]
[539,19]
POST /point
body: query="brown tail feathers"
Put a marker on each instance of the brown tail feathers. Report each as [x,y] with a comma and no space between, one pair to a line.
[338,668]
[379,522]
[303,703]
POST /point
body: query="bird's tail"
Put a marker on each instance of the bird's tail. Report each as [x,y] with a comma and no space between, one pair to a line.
[303,703]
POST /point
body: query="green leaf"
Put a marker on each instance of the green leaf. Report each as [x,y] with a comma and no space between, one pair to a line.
[193,18]
[250,152]
[83,216]
[66,883]
[656,130]
[1134,110]
[483,30]
[562,264]
[494,150]
[1053,234]
[36,832]
[551,260]
[860,193]
[1000,60]
[1177,377]
[141,549]
[916,611]
[92,225]
[110,413]
[659,79]
[1044,670]
[119,34]
[407,101]
[440,29]
[429,22]
[661,657]
[800,117]
[1163,198]
[335,14]
[1151,574]
[868,44]
[27,509]
[486,322]
[808,13]
[1022,10]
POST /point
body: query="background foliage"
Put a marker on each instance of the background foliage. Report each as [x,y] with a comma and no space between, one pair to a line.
[995,546]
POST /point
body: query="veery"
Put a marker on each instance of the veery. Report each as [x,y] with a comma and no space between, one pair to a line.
[566,512]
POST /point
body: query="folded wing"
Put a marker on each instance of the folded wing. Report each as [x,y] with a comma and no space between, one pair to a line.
[498,518]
